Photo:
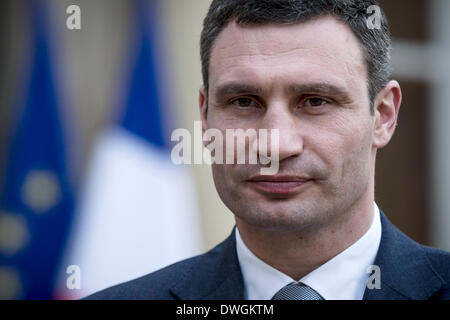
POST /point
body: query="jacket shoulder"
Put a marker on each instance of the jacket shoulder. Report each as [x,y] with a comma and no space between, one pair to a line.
[153,286]
[440,264]
[196,272]
[410,270]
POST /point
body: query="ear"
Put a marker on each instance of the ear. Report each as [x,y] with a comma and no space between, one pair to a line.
[386,108]
[203,104]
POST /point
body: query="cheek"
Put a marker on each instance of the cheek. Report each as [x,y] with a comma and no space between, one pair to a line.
[223,177]
[227,187]
[346,148]
[219,175]
[356,167]
[220,180]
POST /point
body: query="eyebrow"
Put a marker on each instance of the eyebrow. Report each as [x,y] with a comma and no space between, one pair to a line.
[236,88]
[315,87]
[321,88]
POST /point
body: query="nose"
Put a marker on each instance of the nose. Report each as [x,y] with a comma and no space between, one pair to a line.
[290,138]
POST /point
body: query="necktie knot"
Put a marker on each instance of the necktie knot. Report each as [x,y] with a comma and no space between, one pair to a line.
[297,291]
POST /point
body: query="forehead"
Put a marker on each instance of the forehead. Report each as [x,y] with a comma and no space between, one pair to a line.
[319,50]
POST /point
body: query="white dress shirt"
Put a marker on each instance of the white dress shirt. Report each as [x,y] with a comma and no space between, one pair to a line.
[343,277]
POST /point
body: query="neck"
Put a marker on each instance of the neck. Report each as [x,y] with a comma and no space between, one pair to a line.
[297,253]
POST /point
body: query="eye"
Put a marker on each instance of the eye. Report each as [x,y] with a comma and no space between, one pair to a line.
[243,102]
[315,102]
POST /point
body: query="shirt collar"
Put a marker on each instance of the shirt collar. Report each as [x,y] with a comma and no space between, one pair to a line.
[341,278]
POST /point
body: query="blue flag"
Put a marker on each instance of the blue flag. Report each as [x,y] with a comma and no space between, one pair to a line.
[36,202]
[142,110]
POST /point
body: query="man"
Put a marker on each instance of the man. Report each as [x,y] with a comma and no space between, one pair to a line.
[317,72]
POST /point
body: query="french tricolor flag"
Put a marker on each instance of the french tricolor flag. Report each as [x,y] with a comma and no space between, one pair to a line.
[138,211]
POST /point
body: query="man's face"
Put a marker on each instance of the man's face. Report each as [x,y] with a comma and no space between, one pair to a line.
[308,80]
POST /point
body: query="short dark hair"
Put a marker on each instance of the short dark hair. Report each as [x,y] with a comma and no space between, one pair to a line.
[376,42]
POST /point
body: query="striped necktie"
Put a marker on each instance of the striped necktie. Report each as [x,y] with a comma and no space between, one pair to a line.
[297,291]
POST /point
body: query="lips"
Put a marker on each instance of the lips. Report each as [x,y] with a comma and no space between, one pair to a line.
[279,184]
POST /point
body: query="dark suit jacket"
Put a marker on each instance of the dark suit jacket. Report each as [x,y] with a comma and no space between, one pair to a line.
[408,271]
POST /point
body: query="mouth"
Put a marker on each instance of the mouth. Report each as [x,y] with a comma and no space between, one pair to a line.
[279,185]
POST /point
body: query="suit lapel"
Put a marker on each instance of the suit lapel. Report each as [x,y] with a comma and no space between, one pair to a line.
[406,272]
[216,276]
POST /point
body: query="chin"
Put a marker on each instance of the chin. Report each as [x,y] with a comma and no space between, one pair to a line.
[282,216]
